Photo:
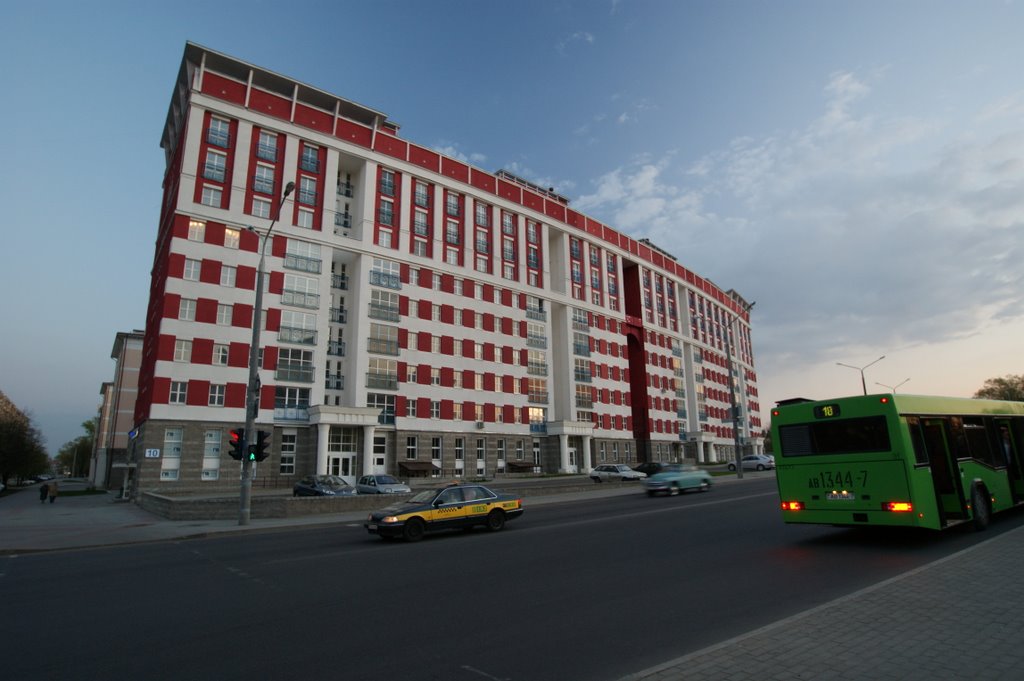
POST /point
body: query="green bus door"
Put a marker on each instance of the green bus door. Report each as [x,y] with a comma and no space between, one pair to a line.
[945,473]
[1010,451]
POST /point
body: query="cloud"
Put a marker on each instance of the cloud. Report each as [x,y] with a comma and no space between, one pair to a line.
[854,231]
[573,38]
[452,150]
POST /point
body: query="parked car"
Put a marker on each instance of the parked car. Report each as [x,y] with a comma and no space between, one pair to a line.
[381,484]
[650,467]
[677,477]
[615,471]
[754,462]
[450,507]
[322,486]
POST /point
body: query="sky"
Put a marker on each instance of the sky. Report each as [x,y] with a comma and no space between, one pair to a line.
[856,167]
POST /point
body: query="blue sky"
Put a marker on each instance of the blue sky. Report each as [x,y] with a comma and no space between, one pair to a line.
[855,167]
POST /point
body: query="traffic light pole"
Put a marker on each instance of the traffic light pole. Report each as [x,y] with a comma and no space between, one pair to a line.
[252,392]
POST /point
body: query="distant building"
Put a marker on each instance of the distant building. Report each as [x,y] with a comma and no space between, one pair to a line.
[423,316]
[110,459]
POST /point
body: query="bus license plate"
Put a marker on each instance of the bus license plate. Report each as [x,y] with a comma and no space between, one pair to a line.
[840,496]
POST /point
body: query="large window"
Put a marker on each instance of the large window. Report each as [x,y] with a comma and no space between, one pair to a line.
[843,436]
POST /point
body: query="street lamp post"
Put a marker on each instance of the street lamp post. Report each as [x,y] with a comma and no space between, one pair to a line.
[252,391]
[736,415]
[863,384]
[892,387]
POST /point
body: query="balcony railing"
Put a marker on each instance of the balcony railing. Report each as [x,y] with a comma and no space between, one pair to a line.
[309,163]
[218,138]
[307,197]
[581,349]
[334,383]
[339,281]
[286,412]
[537,369]
[387,313]
[291,334]
[262,185]
[215,173]
[537,398]
[345,189]
[537,341]
[302,373]
[336,348]
[339,315]
[300,299]
[266,152]
[381,346]
[584,403]
[583,376]
[343,220]
[539,315]
[538,427]
[385,279]
[382,381]
[302,263]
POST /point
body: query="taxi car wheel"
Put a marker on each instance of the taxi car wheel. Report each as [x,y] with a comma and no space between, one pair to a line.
[413,530]
[495,521]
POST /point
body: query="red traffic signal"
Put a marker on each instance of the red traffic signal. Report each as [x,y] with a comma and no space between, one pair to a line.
[236,443]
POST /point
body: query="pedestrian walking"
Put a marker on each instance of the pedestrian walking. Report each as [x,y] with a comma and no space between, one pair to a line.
[52,490]
[43,492]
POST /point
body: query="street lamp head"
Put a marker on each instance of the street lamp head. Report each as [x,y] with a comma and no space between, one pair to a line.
[288,189]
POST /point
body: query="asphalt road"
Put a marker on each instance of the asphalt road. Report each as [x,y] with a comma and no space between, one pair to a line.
[588,590]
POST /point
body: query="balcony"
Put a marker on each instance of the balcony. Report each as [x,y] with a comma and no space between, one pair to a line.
[382,347]
[382,381]
[539,315]
[339,281]
[537,398]
[263,185]
[537,341]
[392,281]
[538,427]
[310,164]
[302,373]
[307,197]
[266,152]
[300,299]
[336,348]
[388,313]
[581,349]
[213,172]
[343,220]
[584,403]
[290,334]
[302,263]
[218,138]
[345,189]
[286,412]
[334,383]
[583,376]
[339,315]
[537,369]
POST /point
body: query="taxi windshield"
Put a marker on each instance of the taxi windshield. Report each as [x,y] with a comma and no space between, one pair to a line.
[424,496]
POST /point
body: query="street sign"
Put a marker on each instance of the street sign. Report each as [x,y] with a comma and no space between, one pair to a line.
[152,453]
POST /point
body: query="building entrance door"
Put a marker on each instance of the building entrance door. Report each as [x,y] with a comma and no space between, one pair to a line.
[573,464]
[342,465]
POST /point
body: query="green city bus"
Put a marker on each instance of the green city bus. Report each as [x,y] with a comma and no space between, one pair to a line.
[898,460]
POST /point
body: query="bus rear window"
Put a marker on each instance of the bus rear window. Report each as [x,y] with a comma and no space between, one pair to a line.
[844,436]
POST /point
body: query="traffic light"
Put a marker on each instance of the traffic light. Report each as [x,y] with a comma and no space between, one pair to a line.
[237,449]
[258,450]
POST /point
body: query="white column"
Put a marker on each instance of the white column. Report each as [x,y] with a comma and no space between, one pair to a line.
[323,432]
[563,451]
[368,432]
[586,467]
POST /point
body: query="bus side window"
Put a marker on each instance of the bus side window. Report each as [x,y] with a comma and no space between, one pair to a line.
[978,442]
[917,437]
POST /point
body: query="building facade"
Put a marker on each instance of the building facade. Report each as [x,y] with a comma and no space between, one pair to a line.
[421,316]
[108,467]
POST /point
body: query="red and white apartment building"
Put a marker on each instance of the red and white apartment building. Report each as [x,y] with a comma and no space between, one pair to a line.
[422,316]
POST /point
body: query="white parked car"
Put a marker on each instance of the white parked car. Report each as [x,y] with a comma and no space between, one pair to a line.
[755,462]
[381,484]
[615,471]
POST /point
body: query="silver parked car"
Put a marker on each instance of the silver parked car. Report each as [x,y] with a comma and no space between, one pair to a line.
[381,484]
[615,471]
[755,462]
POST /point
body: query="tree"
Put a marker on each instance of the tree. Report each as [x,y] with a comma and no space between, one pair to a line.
[74,456]
[21,444]
[1008,387]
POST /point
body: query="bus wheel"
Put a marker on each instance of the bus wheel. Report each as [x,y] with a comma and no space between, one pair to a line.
[982,511]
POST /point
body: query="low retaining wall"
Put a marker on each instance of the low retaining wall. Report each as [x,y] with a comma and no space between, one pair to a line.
[281,506]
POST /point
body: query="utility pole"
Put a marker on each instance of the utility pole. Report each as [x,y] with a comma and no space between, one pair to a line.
[252,391]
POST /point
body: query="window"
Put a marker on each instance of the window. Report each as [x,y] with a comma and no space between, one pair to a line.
[187,310]
[220,354]
[451,232]
[231,237]
[192,268]
[211,454]
[260,207]
[211,196]
[171,459]
[421,194]
[305,218]
[182,351]
[228,274]
[387,182]
[483,215]
[214,167]
[307,191]
[310,158]
[217,395]
[451,205]
[435,448]
[263,181]
[410,447]
[386,213]
[218,132]
[179,391]
[288,447]
[224,313]
[196,230]
[266,148]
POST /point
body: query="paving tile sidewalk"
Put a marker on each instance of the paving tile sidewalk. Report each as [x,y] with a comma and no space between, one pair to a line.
[956,618]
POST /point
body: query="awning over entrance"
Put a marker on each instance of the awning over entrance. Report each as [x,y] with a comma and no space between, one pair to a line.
[417,468]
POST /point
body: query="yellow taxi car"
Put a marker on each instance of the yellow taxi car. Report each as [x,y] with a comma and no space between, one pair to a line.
[442,508]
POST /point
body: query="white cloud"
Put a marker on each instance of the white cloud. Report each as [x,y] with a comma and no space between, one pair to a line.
[857,231]
[573,38]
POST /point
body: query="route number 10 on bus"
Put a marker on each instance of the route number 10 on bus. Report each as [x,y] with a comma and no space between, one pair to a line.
[898,460]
